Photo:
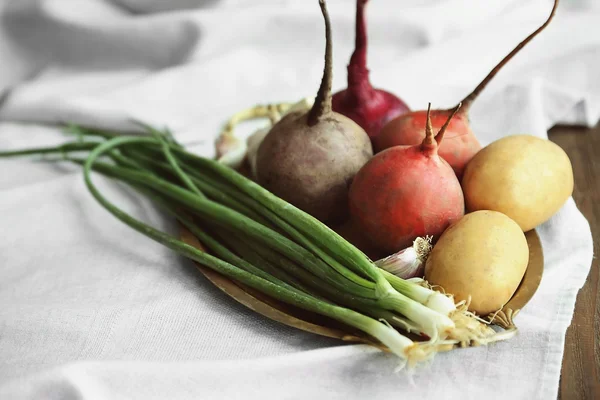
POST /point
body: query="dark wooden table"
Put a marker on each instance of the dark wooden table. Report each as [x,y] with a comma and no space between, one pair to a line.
[580,376]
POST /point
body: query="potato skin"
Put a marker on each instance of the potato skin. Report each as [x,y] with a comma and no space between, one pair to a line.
[523,176]
[484,255]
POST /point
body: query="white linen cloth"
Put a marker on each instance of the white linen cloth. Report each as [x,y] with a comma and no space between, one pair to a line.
[93,310]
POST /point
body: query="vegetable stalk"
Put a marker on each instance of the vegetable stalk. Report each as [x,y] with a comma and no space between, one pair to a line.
[314,258]
[398,344]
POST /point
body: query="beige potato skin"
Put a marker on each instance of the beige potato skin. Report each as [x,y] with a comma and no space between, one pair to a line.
[484,255]
[523,176]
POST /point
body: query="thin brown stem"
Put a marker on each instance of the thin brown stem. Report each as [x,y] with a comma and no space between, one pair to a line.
[440,135]
[473,95]
[429,141]
[322,104]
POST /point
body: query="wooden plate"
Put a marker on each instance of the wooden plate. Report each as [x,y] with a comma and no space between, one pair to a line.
[310,322]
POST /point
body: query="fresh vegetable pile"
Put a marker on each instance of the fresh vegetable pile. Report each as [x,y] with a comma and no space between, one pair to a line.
[314,169]
[266,243]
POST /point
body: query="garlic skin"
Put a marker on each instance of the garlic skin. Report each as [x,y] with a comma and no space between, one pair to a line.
[410,262]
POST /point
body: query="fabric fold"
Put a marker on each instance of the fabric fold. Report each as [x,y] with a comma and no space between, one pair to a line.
[93,310]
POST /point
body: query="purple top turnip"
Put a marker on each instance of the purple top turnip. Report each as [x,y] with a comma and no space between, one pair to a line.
[310,158]
[369,107]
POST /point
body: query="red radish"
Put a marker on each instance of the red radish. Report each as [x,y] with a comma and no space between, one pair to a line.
[369,107]
[405,192]
[460,144]
[309,158]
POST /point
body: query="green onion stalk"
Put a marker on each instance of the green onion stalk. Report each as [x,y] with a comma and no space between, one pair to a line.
[460,325]
[276,265]
[400,345]
[272,271]
[432,299]
[276,227]
[429,322]
[428,319]
[463,327]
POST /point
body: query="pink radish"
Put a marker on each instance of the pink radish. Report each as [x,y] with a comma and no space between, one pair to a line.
[405,192]
[460,144]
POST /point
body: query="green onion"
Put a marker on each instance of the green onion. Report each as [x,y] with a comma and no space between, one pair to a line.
[398,344]
[412,291]
[224,216]
[367,306]
[254,223]
[431,323]
[64,148]
[180,173]
[247,252]
[430,298]
[231,219]
[211,191]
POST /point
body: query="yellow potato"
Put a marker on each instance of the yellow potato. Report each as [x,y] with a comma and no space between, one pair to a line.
[525,177]
[483,255]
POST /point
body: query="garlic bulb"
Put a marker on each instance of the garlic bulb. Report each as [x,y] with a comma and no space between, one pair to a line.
[409,262]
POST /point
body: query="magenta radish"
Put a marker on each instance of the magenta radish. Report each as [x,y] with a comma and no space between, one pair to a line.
[405,192]
[369,107]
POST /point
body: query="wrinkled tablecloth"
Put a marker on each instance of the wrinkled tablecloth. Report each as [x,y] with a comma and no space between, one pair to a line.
[93,310]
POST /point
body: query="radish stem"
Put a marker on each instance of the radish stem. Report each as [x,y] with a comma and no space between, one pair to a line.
[322,104]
